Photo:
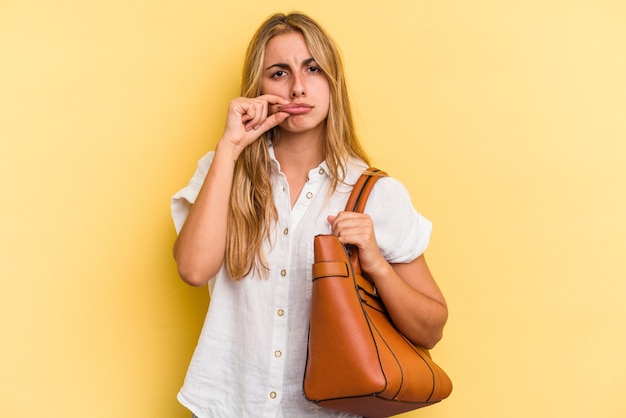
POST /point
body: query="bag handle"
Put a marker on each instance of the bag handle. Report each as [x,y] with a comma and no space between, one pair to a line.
[356,203]
[362,189]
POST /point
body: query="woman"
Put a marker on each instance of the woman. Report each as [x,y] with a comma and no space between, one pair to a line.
[280,174]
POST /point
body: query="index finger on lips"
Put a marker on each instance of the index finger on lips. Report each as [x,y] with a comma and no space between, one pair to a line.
[273,103]
[273,99]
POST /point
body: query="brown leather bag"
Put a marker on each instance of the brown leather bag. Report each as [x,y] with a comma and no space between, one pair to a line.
[357,361]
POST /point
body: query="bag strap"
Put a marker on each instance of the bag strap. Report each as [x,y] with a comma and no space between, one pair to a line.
[362,189]
[356,203]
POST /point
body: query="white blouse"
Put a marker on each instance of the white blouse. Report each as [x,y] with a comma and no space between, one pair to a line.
[250,357]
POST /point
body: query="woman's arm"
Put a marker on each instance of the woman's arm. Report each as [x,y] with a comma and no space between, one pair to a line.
[413,300]
[201,244]
[411,296]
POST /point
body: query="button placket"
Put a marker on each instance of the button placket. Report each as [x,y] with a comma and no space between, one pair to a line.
[276,351]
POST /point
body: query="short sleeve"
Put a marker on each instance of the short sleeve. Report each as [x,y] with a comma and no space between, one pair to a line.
[402,233]
[183,199]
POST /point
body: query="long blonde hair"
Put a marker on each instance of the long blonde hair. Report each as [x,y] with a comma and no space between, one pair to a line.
[252,211]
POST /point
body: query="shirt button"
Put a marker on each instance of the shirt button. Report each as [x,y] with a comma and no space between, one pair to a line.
[309,195]
[283,272]
[285,231]
[281,312]
[321,171]
[277,353]
[273,395]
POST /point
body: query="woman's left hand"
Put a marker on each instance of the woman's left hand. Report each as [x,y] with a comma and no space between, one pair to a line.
[415,303]
[358,229]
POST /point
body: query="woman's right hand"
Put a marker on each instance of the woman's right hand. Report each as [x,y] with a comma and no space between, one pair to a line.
[249,118]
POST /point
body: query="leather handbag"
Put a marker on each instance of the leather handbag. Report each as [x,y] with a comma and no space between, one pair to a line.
[357,361]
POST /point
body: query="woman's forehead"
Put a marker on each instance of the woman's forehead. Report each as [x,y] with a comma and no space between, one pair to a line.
[287,47]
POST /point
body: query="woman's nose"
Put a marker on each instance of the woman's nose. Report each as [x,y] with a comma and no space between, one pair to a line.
[297,89]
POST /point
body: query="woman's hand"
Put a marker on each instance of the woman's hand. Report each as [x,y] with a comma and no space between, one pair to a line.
[357,229]
[248,118]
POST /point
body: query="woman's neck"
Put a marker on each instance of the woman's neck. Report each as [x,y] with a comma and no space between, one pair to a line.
[297,155]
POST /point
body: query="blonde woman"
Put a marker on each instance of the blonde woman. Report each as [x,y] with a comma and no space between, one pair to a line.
[281,174]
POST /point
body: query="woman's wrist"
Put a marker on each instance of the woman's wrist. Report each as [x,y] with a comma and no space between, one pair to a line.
[228,150]
[381,270]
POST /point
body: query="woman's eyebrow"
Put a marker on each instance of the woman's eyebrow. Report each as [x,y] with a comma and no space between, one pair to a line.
[279,65]
[286,66]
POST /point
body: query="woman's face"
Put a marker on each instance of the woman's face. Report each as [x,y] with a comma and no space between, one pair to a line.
[289,71]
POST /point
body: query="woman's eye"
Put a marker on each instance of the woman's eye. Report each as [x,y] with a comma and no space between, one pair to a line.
[279,74]
[314,69]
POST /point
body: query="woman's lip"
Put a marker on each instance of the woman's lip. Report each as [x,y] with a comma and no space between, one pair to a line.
[295,108]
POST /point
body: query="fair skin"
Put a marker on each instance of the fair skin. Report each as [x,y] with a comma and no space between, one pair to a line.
[295,99]
[291,72]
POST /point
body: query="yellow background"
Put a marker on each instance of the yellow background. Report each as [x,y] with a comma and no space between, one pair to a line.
[505,119]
